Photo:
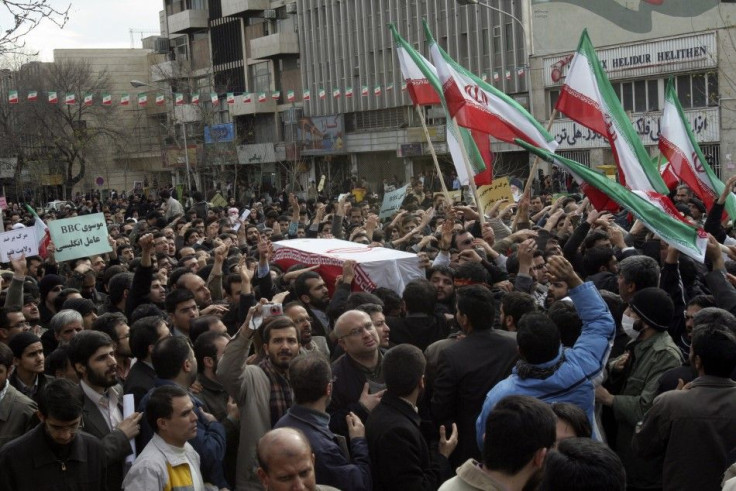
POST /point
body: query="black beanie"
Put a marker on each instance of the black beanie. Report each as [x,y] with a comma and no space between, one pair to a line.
[654,306]
[21,341]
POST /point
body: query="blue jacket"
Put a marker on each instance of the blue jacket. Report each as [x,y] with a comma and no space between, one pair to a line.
[572,381]
[332,466]
[209,442]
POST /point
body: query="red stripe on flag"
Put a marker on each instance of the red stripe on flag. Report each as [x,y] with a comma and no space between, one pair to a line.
[681,167]
[483,142]
[422,93]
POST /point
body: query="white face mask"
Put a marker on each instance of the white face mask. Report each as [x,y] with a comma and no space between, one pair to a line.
[627,322]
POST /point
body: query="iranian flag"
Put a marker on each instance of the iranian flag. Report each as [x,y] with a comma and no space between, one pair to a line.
[481,107]
[335,93]
[214,99]
[53,97]
[508,74]
[377,90]
[178,99]
[106,99]
[668,176]
[13,96]
[125,100]
[70,98]
[248,97]
[276,95]
[88,99]
[261,97]
[348,92]
[390,87]
[678,144]
[588,98]
[142,99]
[364,91]
[290,96]
[195,98]
[42,232]
[306,95]
[32,95]
[322,93]
[653,209]
[160,99]
[496,77]
[425,89]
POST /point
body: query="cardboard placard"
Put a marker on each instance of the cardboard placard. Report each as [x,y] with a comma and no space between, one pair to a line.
[392,201]
[17,242]
[490,193]
[80,236]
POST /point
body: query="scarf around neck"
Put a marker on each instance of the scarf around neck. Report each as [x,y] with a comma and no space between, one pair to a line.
[281,394]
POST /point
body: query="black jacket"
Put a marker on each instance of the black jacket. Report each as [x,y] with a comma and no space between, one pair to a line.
[466,371]
[419,330]
[399,454]
[141,379]
[346,390]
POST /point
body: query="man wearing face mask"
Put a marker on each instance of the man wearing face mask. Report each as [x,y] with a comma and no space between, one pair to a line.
[650,353]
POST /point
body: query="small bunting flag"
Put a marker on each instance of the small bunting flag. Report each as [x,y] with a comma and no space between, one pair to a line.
[520,71]
[377,90]
[32,95]
[214,99]
[178,99]
[322,93]
[195,98]
[336,93]
[508,74]
[290,96]
[484,77]
[306,95]
[125,100]
[389,87]
[160,99]
[261,97]
[88,99]
[230,98]
[348,92]
[106,99]
[70,98]
[13,96]
[142,99]
[496,77]
[276,95]
[247,97]
[364,91]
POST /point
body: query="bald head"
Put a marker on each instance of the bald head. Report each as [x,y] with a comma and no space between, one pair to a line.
[349,321]
[285,460]
[287,443]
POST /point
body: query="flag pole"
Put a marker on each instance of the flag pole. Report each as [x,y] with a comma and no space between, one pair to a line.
[471,174]
[434,155]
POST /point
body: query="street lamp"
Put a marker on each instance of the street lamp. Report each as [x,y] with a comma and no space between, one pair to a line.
[138,84]
[527,40]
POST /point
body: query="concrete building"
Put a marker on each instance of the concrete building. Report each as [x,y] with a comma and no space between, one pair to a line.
[642,46]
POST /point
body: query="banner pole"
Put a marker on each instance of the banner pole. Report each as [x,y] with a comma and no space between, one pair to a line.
[471,174]
[434,156]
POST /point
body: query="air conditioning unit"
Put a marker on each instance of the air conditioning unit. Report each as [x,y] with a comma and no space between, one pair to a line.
[291,8]
[162,45]
[269,14]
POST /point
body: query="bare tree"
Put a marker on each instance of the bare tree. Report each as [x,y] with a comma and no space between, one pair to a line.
[26,16]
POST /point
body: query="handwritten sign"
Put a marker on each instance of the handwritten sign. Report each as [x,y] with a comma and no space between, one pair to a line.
[456,196]
[17,242]
[392,201]
[80,236]
[490,193]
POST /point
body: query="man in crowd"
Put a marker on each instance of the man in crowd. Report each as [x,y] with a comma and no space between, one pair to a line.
[28,359]
[143,336]
[17,412]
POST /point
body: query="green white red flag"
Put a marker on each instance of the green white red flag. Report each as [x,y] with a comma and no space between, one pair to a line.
[276,95]
[13,96]
[588,98]
[290,97]
[364,91]
[142,99]
[124,99]
[655,210]
[106,99]
[53,97]
[88,99]
[481,107]
[214,99]
[322,93]
[178,99]
[306,95]
[195,98]
[247,97]
[70,98]
[335,93]
[678,144]
[230,98]
[160,99]
[32,95]
[377,90]
[42,232]
[425,89]
[348,92]
[261,97]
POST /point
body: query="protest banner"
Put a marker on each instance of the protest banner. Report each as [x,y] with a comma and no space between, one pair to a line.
[456,196]
[80,236]
[376,266]
[490,193]
[392,201]
[17,242]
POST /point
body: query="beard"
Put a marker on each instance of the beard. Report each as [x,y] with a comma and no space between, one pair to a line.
[102,379]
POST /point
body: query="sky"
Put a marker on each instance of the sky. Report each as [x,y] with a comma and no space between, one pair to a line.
[95,24]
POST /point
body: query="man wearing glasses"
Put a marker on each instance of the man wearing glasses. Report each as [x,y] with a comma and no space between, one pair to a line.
[359,382]
[55,451]
[303,322]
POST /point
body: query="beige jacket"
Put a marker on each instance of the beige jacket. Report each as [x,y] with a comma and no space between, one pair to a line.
[17,415]
[470,477]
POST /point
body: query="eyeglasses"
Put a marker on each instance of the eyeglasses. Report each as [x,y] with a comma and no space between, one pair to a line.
[302,320]
[358,331]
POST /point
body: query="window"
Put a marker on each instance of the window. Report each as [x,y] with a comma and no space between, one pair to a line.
[553,96]
[697,90]
[638,96]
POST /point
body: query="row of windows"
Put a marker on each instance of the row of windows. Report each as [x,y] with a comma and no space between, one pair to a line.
[639,96]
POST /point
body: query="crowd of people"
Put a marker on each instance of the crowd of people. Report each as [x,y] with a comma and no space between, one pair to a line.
[547,346]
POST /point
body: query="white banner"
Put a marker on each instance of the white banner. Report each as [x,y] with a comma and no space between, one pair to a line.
[17,242]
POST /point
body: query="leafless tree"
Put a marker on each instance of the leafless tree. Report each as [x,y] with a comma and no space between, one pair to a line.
[24,16]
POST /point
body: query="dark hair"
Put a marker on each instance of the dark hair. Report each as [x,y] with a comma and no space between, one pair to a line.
[595,258]
[144,333]
[205,347]
[360,298]
[512,264]
[6,356]
[574,417]
[474,272]
[277,322]
[117,286]
[57,360]
[703,301]
[476,302]
[160,404]
[108,323]
[391,300]
[715,315]
[567,320]
[370,308]
[85,344]
[715,344]
[229,281]
[200,325]
[300,285]
[145,310]
[308,376]
[4,311]
[593,237]
[643,271]
[419,297]
[62,296]
[538,338]
[61,399]
[444,270]
[177,296]
[515,430]
[616,305]
[169,354]
[580,464]
[403,367]
[516,304]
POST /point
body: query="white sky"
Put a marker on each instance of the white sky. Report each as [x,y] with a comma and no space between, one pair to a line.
[95,24]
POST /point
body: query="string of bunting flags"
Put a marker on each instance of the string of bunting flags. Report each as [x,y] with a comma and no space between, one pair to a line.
[142,98]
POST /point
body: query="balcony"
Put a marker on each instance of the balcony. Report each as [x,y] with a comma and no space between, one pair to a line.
[243,7]
[241,108]
[276,45]
[187,21]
